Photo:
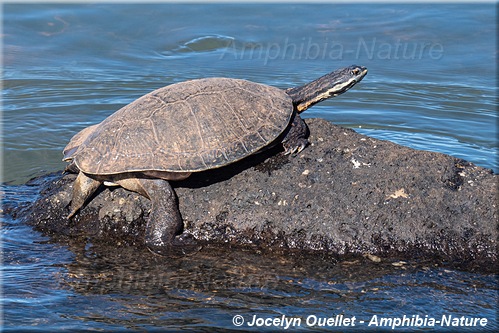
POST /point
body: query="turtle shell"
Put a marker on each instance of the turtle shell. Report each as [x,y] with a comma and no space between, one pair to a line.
[185,127]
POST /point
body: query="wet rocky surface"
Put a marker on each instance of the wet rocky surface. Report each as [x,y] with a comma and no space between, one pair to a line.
[345,195]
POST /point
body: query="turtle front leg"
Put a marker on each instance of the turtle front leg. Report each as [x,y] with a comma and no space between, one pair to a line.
[83,188]
[296,138]
[165,222]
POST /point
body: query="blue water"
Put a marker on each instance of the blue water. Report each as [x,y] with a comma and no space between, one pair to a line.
[431,85]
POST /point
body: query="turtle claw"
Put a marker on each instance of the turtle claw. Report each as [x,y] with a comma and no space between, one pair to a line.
[296,148]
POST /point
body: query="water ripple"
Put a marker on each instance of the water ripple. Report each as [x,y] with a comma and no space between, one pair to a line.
[199,45]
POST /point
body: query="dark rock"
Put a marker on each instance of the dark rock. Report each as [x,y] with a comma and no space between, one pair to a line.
[344,194]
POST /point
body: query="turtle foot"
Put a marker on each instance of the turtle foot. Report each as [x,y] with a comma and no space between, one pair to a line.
[181,246]
[296,138]
[83,188]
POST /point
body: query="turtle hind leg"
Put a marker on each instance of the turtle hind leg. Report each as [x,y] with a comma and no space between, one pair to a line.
[165,223]
[83,188]
[296,137]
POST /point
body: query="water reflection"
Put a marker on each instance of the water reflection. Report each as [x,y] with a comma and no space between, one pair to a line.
[211,286]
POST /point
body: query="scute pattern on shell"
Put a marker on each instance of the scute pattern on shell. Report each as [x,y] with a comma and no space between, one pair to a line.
[189,126]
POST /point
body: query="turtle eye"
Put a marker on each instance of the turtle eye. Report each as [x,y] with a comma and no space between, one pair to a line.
[355,71]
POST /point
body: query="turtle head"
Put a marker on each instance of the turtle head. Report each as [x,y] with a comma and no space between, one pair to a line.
[327,86]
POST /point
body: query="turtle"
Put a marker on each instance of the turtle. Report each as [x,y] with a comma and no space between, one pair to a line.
[192,126]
